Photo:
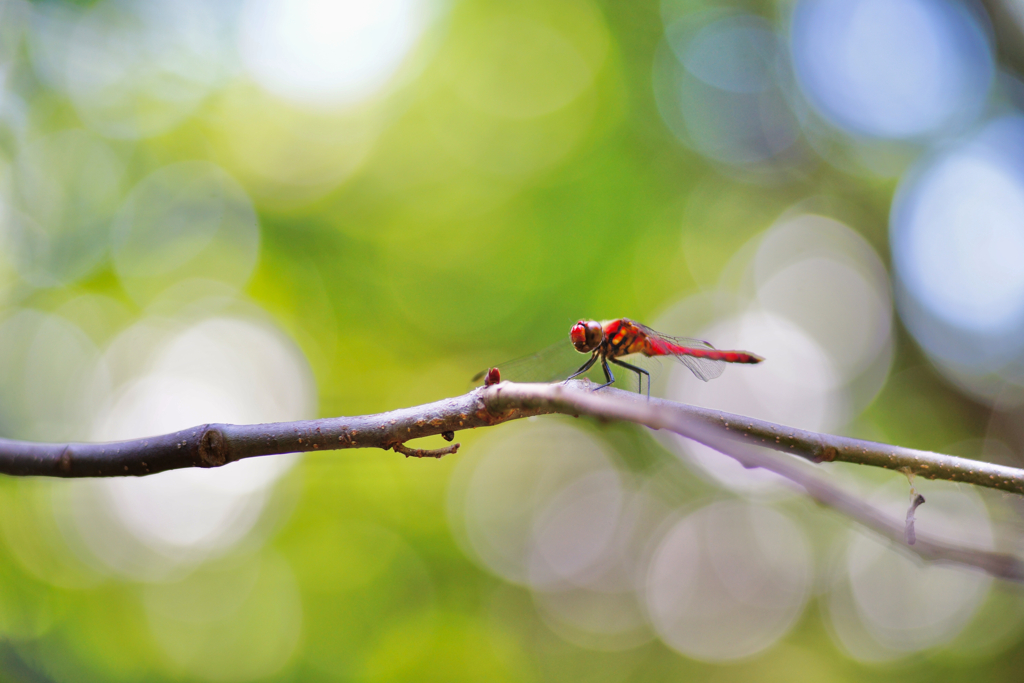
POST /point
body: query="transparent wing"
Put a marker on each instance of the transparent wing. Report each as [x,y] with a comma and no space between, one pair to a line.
[678,341]
[551,364]
[704,368]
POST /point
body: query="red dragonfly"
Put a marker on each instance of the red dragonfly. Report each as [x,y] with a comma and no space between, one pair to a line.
[609,340]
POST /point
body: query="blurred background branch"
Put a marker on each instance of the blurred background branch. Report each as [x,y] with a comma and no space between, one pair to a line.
[719,431]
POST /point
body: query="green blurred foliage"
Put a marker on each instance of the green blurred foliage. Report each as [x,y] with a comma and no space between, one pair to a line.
[464,223]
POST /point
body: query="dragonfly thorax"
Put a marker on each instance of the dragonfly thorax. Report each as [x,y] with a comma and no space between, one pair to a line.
[586,335]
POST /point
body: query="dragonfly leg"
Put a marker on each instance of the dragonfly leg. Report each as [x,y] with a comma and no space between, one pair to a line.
[583,368]
[607,374]
[640,372]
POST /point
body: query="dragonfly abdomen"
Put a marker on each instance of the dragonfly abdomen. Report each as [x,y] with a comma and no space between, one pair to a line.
[710,354]
[729,356]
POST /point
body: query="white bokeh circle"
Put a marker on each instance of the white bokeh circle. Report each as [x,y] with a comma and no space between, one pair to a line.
[892,68]
[956,232]
[64,191]
[220,369]
[820,274]
[722,86]
[137,69]
[728,580]
[328,52]
[510,505]
[185,220]
[52,377]
[886,604]
[797,385]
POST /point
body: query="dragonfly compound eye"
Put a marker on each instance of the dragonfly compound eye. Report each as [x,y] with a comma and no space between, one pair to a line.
[586,335]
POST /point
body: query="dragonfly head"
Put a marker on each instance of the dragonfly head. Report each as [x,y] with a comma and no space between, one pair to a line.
[586,335]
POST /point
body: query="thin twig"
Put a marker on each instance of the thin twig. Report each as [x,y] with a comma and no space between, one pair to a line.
[909,534]
[425,452]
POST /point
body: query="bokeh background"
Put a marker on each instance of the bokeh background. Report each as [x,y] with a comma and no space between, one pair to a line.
[261,210]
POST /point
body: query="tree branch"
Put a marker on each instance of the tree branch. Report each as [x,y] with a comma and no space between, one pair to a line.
[213,445]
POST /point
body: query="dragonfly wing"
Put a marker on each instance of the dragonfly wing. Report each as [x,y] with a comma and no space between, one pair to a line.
[678,341]
[552,364]
[705,369]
